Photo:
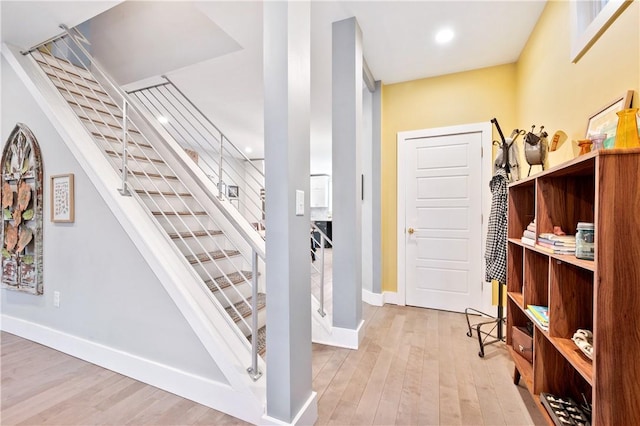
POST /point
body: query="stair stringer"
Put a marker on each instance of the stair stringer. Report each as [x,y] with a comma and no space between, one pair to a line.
[240,396]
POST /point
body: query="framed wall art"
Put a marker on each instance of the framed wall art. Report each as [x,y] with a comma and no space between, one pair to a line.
[605,120]
[62,202]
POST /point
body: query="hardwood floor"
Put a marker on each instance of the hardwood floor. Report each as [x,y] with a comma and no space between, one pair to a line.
[415,367]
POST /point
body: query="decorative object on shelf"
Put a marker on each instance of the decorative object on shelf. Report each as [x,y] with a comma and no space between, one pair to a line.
[584,341]
[557,140]
[598,141]
[585,238]
[62,198]
[22,212]
[605,119]
[535,147]
[585,146]
[627,129]
[564,410]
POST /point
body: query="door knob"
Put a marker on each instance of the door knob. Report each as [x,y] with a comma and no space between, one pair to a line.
[411,231]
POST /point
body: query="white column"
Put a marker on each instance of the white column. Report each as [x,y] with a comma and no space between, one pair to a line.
[347,169]
[286,128]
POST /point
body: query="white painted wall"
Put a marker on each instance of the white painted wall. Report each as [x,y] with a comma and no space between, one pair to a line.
[108,294]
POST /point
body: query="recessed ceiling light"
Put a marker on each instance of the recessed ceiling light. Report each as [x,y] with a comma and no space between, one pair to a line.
[248,150]
[162,119]
[445,35]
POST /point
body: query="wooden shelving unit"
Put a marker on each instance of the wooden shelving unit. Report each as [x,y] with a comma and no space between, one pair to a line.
[602,295]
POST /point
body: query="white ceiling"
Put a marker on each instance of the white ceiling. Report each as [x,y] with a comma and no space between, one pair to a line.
[223,75]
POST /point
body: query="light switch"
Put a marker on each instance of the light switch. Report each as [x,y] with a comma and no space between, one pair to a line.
[299,203]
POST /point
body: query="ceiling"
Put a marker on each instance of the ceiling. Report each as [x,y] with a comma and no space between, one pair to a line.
[213,50]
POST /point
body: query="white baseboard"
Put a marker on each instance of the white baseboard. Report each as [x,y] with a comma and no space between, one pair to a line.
[307,415]
[217,395]
[340,337]
[379,299]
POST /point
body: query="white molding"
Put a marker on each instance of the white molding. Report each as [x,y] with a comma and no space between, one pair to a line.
[338,336]
[217,395]
[307,415]
[392,298]
[484,128]
[371,298]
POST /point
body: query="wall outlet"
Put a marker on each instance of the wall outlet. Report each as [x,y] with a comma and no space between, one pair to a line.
[56,299]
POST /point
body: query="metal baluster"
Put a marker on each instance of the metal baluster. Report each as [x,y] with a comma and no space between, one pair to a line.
[220,181]
[125,150]
[253,370]
[321,309]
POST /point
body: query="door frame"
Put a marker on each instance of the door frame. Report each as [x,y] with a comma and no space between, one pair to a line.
[486,152]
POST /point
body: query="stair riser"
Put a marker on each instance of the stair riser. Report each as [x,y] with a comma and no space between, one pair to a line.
[202,244]
[65,66]
[211,270]
[156,184]
[116,146]
[112,132]
[231,295]
[91,104]
[148,167]
[175,223]
[77,83]
[170,203]
[113,118]
[81,93]
[262,321]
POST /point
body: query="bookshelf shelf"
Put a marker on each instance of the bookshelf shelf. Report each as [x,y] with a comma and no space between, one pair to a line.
[601,295]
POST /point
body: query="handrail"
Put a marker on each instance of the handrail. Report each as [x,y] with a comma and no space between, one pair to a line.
[98,67]
[89,85]
[323,237]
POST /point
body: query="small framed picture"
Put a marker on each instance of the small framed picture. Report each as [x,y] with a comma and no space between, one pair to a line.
[62,202]
[605,120]
[232,191]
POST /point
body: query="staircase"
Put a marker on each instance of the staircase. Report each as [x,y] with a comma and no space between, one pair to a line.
[228,268]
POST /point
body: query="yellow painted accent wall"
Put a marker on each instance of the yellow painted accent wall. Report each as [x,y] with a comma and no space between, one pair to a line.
[562,95]
[461,98]
[543,87]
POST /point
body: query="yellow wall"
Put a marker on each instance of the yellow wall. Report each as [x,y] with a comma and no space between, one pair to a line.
[544,87]
[562,95]
[462,98]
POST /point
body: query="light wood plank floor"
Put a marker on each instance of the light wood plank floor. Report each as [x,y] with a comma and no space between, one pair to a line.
[414,367]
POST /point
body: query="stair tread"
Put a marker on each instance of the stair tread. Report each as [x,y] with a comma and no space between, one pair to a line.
[95,109]
[244,308]
[137,157]
[262,340]
[207,257]
[111,125]
[73,92]
[166,194]
[151,175]
[180,213]
[118,140]
[76,73]
[53,75]
[57,58]
[233,278]
[192,234]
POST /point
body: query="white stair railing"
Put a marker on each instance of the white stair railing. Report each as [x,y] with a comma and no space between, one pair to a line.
[150,179]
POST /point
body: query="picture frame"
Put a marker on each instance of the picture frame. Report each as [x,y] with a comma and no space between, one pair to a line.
[233,192]
[62,198]
[605,119]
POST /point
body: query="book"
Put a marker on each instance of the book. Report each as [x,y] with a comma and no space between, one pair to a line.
[529,234]
[545,327]
[553,237]
[557,243]
[528,241]
[540,312]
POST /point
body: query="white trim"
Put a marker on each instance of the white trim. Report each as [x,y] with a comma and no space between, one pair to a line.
[484,128]
[217,395]
[338,336]
[371,298]
[307,415]
[392,298]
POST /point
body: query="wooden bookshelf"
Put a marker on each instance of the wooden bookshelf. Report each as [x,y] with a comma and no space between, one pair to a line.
[601,295]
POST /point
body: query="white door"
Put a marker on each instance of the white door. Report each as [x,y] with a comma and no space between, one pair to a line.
[443,229]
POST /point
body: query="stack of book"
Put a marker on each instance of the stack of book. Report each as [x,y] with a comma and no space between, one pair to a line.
[540,314]
[529,234]
[557,244]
